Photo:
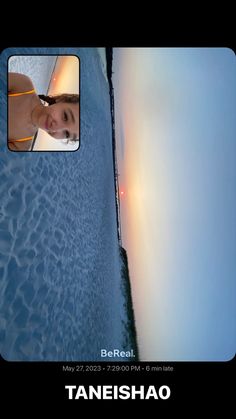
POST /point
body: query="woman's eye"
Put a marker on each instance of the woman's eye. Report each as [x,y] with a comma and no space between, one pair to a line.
[65,116]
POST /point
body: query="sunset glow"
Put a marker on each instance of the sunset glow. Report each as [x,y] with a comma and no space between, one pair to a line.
[175,130]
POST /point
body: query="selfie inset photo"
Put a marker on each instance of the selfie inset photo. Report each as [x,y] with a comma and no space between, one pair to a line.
[43,103]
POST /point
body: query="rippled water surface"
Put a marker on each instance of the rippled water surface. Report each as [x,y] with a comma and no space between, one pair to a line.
[59,264]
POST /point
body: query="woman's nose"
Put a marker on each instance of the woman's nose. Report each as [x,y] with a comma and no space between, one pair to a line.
[59,125]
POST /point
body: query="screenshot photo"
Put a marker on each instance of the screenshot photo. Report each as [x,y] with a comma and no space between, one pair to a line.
[118,204]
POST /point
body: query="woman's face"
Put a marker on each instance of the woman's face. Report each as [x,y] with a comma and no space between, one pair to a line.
[61,120]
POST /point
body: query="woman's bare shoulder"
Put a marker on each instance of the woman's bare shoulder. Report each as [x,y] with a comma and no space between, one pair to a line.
[21,146]
[18,82]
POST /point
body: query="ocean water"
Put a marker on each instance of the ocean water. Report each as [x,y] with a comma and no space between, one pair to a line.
[60,296]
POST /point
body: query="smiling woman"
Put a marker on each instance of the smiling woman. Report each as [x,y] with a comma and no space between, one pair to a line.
[64,78]
[27,114]
[62,117]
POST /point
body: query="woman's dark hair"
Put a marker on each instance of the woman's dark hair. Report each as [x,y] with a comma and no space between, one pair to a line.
[64,97]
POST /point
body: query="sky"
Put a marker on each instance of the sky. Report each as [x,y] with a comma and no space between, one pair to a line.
[65,79]
[176,139]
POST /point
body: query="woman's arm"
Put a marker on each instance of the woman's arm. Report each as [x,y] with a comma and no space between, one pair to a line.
[19,83]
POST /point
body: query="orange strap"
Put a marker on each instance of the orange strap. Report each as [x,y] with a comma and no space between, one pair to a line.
[23,139]
[28,92]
